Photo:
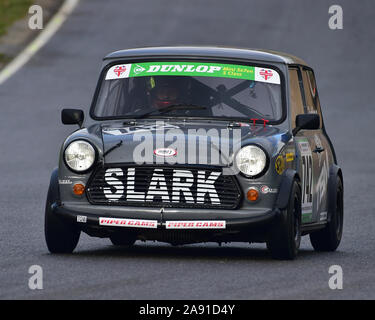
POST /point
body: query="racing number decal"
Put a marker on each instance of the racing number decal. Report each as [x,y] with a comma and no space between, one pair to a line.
[307,178]
[307,175]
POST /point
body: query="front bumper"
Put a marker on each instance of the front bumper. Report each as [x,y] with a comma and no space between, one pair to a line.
[235,219]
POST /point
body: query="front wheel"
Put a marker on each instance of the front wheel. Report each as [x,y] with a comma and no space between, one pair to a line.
[285,235]
[60,236]
[329,238]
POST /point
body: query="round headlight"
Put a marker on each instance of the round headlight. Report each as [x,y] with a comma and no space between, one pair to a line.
[79,155]
[251,160]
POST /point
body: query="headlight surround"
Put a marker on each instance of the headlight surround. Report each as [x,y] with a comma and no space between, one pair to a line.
[79,156]
[252,161]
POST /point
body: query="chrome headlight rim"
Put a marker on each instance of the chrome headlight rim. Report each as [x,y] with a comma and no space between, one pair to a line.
[91,166]
[266,166]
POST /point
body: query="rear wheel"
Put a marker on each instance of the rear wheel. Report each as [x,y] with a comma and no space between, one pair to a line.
[285,235]
[60,236]
[329,238]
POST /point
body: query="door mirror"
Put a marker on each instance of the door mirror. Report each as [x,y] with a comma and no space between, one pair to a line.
[72,116]
[308,121]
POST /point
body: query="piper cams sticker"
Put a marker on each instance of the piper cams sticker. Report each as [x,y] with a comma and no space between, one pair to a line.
[135,223]
[210,224]
[193,69]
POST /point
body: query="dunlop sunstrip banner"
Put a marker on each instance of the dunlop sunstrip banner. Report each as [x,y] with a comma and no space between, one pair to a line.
[193,69]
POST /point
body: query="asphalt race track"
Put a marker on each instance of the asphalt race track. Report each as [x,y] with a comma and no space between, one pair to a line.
[64,74]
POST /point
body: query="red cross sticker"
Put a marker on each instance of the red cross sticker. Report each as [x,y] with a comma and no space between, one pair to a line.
[266,74]
[119,70]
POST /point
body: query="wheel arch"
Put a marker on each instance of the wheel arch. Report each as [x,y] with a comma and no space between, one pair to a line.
[334,172]
[54,185]
[286,185]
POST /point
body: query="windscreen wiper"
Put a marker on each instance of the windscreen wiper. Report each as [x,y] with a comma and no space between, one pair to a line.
[112,148]
[170,108]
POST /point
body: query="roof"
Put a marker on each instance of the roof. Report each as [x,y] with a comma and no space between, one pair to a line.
[207,52]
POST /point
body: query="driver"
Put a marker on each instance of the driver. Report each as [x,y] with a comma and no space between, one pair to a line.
[165,91]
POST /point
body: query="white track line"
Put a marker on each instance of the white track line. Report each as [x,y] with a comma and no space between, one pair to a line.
[53,25]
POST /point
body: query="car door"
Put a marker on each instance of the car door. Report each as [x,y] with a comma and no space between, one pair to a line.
[320,146]
[305,142]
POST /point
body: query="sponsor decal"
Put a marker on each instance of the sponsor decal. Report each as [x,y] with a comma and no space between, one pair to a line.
[193,69]
[81,219]
[267,189]
[280,164]
[123,184]
[165,152]
[306,176]
[289,157]
[209,224]
[134,223]
[138,69]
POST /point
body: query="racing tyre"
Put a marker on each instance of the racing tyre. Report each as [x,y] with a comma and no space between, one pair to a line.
[285,236]
[328,239]
[122,240]
[60,236]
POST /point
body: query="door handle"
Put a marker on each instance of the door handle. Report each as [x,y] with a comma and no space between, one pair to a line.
[318,150]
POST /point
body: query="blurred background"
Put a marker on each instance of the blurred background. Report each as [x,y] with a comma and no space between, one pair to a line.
[64,72]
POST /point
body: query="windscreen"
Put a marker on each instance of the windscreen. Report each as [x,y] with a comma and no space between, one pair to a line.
[189,89]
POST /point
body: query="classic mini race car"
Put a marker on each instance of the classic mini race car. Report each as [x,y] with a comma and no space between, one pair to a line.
[198,144]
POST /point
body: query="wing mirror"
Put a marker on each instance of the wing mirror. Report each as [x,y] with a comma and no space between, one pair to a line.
[72,116]
[308,121]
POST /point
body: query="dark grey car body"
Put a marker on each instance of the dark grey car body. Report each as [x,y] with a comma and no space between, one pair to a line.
[307,157]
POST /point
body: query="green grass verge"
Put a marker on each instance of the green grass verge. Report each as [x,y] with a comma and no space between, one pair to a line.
[4,59]
[12,10]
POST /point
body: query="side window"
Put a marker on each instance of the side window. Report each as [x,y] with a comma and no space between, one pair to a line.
[296,103]
[311,93]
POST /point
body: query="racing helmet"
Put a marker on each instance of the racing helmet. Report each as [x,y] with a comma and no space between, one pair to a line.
[168,90]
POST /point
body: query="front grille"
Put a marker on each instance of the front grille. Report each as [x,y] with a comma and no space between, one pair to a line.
[163,187]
